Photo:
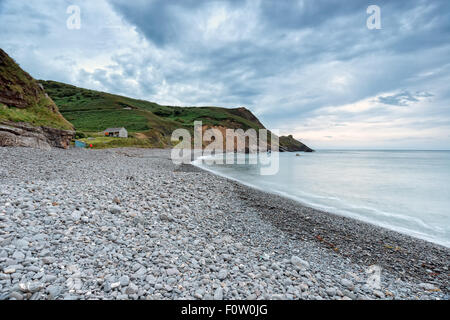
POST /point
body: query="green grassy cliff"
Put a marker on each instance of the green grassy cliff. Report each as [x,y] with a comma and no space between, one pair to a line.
[94,111]
[23,99]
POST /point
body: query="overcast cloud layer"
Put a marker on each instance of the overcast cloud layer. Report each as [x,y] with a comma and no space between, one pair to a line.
[309,68]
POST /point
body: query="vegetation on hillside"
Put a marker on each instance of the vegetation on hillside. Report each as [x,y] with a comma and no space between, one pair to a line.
[22,99]
[106,142]
[37,115]
[92,112]
[150,124]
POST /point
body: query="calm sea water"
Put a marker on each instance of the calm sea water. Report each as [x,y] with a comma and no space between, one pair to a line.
[406,191]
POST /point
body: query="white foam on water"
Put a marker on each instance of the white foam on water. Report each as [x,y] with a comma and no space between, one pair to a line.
[338,202]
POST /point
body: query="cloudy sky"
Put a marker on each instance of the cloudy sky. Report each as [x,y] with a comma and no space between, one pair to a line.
[311,68]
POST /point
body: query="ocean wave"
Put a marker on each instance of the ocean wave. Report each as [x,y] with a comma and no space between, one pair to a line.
[409,225]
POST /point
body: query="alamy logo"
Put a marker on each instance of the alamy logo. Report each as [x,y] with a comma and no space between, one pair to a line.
[215,146]
[74,20]
[374,20]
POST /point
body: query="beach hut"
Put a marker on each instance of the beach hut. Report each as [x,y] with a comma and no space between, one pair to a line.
[80,144]
[116,132]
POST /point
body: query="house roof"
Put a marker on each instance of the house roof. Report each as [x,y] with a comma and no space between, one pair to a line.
[114,129]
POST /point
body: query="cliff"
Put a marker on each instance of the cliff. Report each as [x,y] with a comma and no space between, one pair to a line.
[21,134]
[28,116]
[289,144]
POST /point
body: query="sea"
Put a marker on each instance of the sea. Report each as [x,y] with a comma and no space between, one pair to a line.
[405,191]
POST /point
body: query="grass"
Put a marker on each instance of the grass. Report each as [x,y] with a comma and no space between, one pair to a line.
[93,110]
[37,115]
[29,102]
[107,142]
[212,116]
[99,120]
[15,80]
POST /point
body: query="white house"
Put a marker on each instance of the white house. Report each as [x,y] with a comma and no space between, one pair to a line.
[116,132]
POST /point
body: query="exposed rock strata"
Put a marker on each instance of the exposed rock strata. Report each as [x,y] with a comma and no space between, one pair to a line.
[24,135]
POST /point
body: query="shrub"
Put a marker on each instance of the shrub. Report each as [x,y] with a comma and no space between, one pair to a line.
[80,135]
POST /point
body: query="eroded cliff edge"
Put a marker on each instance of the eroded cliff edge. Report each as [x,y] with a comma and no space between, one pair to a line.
[28,116]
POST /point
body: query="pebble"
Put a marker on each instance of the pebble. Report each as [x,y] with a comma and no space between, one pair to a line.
[54,291]
[115,209]
[348,284]
[172,272]
[9,270]
[76,216]
[427,286]
[18,256]
[218,294]
[131,289]
[303,286]
[48,260]
[222,275]
[50,278]
[31,287]
[165,217]
[16,295]
[379,294]
[115,285]
[21,243]
[300,263]
[124,281]
[331,291]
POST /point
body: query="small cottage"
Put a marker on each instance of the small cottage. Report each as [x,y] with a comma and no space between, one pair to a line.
[116,132]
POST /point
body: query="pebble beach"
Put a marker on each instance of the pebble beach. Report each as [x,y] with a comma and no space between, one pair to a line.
[121,224]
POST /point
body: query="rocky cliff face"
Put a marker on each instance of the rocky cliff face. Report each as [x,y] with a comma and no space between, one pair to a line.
[28,117]
[17,88]
[289,144]
[19,134]
[285,143]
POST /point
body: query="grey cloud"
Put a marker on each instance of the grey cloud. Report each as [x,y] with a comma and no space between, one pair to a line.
[160,20]
[305,14]
[403,98]
[339,35]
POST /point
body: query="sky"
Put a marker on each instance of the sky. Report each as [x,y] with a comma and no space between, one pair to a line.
[311,68]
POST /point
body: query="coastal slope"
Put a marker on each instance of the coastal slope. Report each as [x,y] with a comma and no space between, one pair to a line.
[289,144]
[92,111]
[28,116]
